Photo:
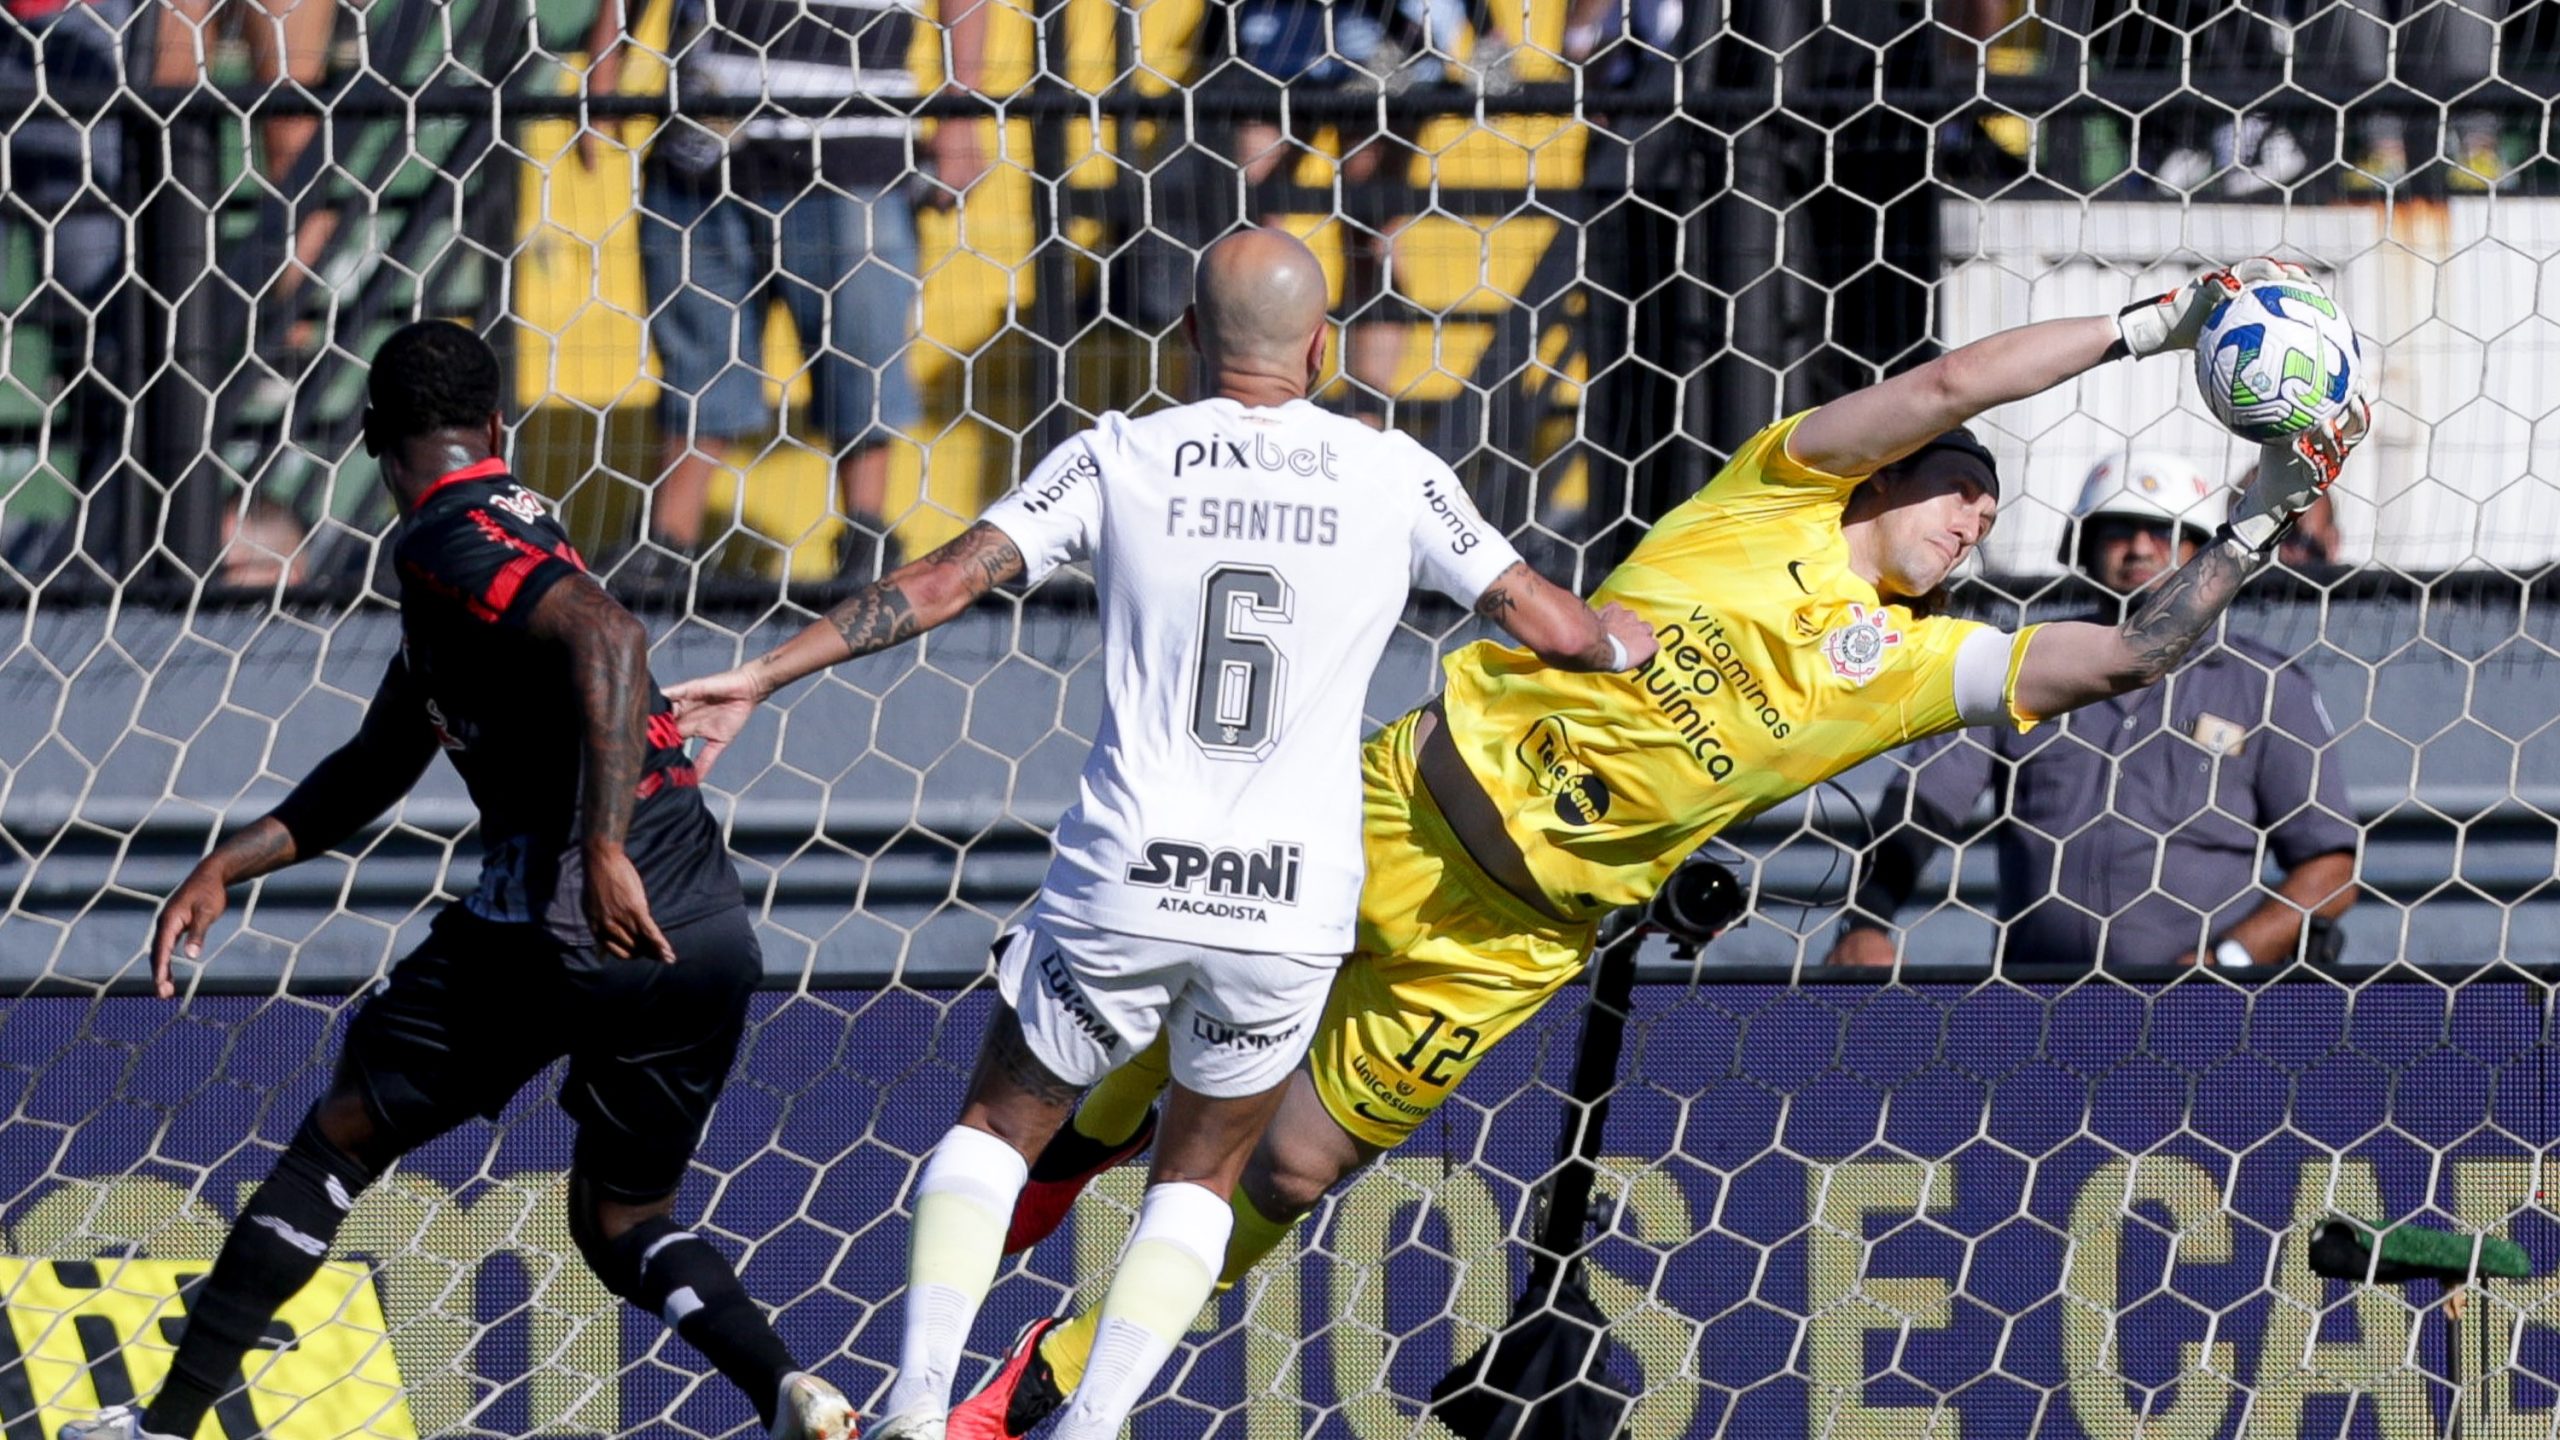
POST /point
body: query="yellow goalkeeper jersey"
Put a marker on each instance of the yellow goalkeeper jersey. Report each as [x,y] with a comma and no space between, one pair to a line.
[1779,669]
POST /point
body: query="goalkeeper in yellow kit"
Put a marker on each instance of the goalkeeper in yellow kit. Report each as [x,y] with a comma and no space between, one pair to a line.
[1795,598]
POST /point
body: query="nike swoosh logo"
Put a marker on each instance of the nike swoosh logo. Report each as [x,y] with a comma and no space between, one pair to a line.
[1797,575]
[1361,1109]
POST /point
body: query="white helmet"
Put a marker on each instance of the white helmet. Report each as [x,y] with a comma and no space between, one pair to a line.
[2152,485]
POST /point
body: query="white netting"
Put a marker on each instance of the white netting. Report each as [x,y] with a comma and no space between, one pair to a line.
[1582,250]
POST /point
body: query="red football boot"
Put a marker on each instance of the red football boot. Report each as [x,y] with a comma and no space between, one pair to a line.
[1071,1161]
[1019,1395]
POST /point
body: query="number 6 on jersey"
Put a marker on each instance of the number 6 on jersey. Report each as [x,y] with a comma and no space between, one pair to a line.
[1235,690]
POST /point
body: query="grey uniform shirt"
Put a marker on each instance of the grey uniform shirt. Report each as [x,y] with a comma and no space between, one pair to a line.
[2129,831]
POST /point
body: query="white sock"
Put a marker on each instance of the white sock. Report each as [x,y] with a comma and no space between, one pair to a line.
[1168,1272]
[963,1202]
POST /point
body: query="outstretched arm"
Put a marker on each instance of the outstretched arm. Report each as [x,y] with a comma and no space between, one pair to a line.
[1563,631]
[1866,430]
[1861,433]
[2077,663]
[901,605]
[343,793]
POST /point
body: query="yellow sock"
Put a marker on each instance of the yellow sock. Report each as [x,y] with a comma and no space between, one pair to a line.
[1116,1105]
[1067,1347]
[1254,1237]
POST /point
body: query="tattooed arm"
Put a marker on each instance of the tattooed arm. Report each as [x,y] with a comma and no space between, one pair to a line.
[346,790]
[608,650]
[899,606]
[1563,631]
[608,655]
[2068,666]
[2074,664]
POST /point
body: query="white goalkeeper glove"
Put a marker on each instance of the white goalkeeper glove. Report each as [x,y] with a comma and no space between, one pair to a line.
[2173,321]
[2294,473]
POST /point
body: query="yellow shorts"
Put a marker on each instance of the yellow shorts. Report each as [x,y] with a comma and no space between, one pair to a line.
[1447,962]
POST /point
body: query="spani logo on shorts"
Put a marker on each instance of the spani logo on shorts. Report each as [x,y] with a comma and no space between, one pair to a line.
[1859,649]
[1270,873]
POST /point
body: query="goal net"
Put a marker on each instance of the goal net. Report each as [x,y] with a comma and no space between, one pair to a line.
[1581,250]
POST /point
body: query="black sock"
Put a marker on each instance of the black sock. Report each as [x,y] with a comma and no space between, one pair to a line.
[283,1235]
[680,1278]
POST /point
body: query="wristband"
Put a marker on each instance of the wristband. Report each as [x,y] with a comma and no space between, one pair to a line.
[2232,955]
[1617,653]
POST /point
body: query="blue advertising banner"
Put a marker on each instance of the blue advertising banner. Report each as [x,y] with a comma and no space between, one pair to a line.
[1890,1212]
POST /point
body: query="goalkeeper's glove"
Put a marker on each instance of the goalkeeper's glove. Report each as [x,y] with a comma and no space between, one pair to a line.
[2173,321]
[2294,473]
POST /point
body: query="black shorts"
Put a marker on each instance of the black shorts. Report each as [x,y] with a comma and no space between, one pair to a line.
[477,1011]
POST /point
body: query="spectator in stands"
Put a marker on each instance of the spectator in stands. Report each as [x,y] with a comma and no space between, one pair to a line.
[803,198]
[2131,833]
[2313,542]
[261,545]
[288,48]
[2445,50]
[1391,45]
[65,169]
[2159,45]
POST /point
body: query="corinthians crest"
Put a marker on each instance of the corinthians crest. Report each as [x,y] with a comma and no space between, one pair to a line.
[1857,650]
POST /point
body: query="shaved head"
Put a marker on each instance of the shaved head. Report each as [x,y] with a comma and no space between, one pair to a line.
[1258,299]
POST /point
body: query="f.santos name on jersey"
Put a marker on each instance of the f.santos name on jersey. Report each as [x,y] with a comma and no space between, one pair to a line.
[1224,881]
[1208,517]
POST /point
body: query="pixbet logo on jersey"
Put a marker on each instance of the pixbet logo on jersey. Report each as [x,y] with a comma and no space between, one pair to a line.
[1270,873]
[1220,453]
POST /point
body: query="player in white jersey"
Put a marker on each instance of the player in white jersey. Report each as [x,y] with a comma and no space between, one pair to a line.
[1253,555]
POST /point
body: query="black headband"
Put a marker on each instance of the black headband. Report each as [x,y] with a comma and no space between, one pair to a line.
[1962,442]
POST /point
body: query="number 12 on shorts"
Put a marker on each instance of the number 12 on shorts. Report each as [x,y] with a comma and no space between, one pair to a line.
[1436,1071]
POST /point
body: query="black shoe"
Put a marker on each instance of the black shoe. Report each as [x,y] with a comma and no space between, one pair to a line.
[655,567]
[865,550]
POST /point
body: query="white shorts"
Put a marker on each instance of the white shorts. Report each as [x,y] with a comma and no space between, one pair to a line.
[1089,999]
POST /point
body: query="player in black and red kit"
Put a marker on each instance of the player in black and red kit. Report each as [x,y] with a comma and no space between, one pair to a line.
[607,925]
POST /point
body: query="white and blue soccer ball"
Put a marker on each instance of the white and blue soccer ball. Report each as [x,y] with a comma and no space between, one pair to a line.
[2276,359]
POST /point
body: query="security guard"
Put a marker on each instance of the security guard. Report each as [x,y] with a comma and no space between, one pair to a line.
[2129,832]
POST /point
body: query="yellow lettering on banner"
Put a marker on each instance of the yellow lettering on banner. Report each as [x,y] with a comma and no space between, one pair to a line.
[2093,1289]
[1843,1303]
[1662,1339]
[2487,1196]
[1370,1223]
[120,1216]
[336,1378]
[2294,1364]
[429,1247]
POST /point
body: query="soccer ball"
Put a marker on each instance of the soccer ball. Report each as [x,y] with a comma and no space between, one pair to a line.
[2276,359]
